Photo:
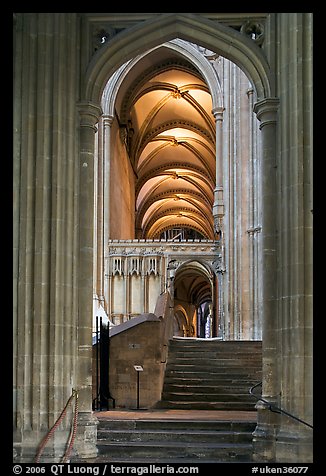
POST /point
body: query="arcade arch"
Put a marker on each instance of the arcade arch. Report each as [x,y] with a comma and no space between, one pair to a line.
[164,109]
[239,49]
[194,295]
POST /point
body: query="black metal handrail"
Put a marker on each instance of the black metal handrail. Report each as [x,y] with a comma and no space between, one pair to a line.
[274,408]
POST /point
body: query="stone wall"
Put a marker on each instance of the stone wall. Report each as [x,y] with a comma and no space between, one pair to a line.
[138,271]
[140,345]
[121,208]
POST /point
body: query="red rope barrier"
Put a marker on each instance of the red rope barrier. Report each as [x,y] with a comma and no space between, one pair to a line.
[74,430]
[55,426]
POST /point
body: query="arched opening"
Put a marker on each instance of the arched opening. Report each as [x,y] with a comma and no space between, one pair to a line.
[240,50]
[194,295]
[180,323]
[163,108]
[175,164]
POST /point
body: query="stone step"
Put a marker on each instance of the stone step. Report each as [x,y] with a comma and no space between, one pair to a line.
[190,436]
[207,397]
[223,371]
[206,369]
[248,351]
[209,380]
[210,375]
[207,389]
[177,425]
[207,405]
[216,351]
[207,345]
[214,362]
[176,450]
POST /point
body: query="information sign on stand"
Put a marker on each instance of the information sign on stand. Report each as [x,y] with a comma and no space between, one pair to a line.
[138,369]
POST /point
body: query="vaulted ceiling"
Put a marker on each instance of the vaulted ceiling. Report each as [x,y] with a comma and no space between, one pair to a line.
[166,107]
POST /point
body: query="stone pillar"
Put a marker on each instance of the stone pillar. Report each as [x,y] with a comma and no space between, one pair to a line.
[218,207]
[295,188]
[143,291]
[98,221]
[128,284]
[264,435]
[107,124]
[216,304]
[45,317]
[86,436]
[254,229]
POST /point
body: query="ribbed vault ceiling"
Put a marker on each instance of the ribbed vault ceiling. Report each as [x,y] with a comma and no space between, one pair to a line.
[166,106]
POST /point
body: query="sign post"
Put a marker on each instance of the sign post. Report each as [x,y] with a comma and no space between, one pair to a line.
[138,369]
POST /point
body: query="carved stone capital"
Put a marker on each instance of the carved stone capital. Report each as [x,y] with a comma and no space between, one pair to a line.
[266,111]
[218,113]
[89,114]
[107,120]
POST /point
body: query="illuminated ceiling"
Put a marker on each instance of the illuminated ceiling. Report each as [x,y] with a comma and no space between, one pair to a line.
[166,107]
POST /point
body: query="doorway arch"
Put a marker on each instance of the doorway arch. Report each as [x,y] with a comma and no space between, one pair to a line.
[194,294]
[242,51]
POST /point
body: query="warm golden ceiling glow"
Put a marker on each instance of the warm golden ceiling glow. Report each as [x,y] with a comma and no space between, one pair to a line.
[173,148]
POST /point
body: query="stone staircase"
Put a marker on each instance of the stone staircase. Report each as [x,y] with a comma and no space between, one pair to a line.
[211,374]
[174,441]
[200,375]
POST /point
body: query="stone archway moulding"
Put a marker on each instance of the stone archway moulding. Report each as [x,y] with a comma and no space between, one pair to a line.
[219,38]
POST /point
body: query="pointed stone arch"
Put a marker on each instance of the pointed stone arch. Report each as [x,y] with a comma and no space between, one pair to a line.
[185,49]
[194,285]
[180,321]
[219,38]
[250,58]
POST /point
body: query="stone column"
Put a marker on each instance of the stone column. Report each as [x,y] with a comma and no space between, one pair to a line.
[216,304]
[295,188]
[143,290]
[107,124]
[218,207]
[221,311]
[86,436]
[264,436]
[128,284]
[254,229]
[98,224]
[45,318]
